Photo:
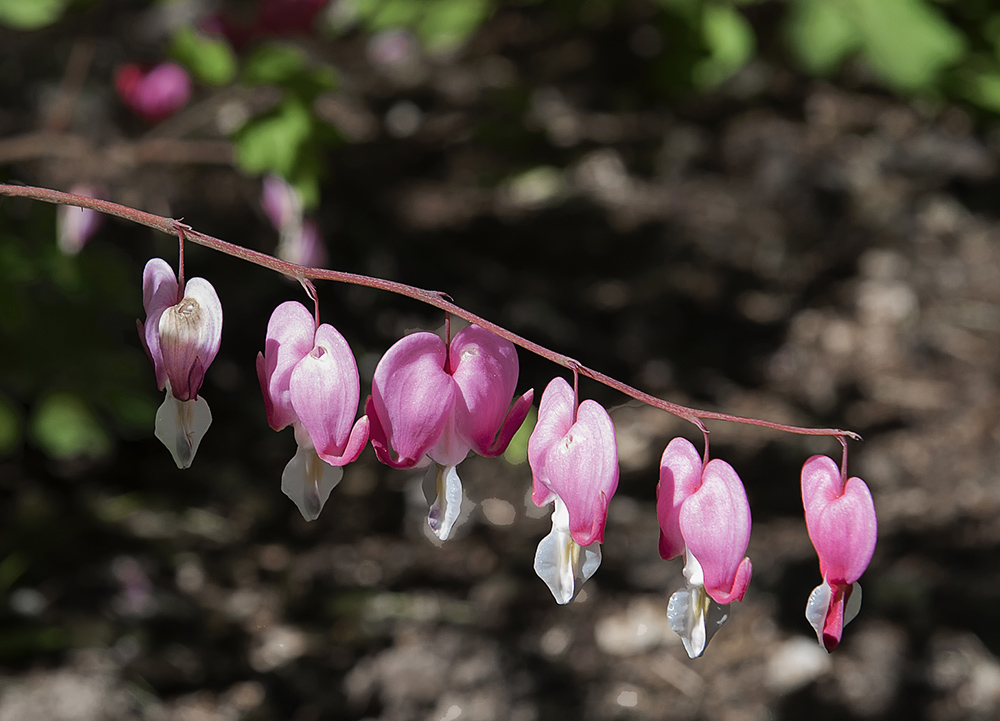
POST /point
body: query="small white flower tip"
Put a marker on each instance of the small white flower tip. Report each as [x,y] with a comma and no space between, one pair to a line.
[307,480]
[180,426]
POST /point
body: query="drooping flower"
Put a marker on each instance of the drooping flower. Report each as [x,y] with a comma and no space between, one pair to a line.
[154,94]
[843,528]
[436,403]
[309,380]
[573,456]
[181,335]
[75,226]
[704,515]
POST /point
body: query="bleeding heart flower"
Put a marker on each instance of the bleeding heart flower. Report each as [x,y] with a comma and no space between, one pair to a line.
[309,379]
[432,402]
[155,94]
[181,335]
[573,456]
[843,528]
[704,515]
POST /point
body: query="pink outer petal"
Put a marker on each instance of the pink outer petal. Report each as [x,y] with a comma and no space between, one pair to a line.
[512,423]
[555,416]
[324,392]
[680,476]
[290,337]
[484,367]
[159,292]
[842,523]
[412,399]
[833,628]
[580,467]
[715,522]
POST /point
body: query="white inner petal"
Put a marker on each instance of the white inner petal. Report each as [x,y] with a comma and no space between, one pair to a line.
[560,561]
[180,426]
[692,613]
[308,480]
[447,505]
[816,608]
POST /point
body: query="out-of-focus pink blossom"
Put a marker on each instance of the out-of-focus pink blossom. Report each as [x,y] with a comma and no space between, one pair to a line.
[436,403]
[181,335]
[704,515]
[75,226]
[309,379]
[153,94]
[573,456]
[843,528]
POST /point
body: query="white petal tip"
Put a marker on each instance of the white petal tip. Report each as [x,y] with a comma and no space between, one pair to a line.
[180,426]
[308,481]
[447,505]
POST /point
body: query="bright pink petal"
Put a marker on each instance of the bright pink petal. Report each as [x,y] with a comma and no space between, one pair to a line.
[511,424]
[324,392]
[290,337]
[841,521]
[555,416]
[484,367]
[715,523]
[680,476]
[412,398]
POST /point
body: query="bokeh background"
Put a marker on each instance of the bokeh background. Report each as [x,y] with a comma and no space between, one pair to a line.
[779,209]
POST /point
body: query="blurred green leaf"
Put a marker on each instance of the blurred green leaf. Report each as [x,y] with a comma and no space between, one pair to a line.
[30,14]
[730,41]
[982,88]
[271,143]
[65,427]
[210,58]
[907,42]
[11,569]
[821,34]
[273,64]
[378,15]
[445,24]
[10,426]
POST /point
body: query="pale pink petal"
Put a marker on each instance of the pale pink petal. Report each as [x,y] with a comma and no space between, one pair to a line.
[190,334]
[715,523]
[159,292]
[841,521]
[582,470]
[555,416]
[680,476]
[324,392]
[291,333]
[412,398]
[281,202]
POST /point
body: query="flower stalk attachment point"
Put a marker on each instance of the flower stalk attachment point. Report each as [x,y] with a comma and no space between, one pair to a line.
[181,336]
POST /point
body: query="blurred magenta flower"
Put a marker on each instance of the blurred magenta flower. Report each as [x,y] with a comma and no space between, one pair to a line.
[704,515]
[271,18]
[154,94]
[432,402]
[573,456]
[181,335]
[840,517]
[309,379]
[75,226]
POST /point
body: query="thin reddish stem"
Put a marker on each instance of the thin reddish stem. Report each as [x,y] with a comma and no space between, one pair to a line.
[436,299]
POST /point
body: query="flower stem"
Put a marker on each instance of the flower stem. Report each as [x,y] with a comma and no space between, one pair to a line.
[433,298]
